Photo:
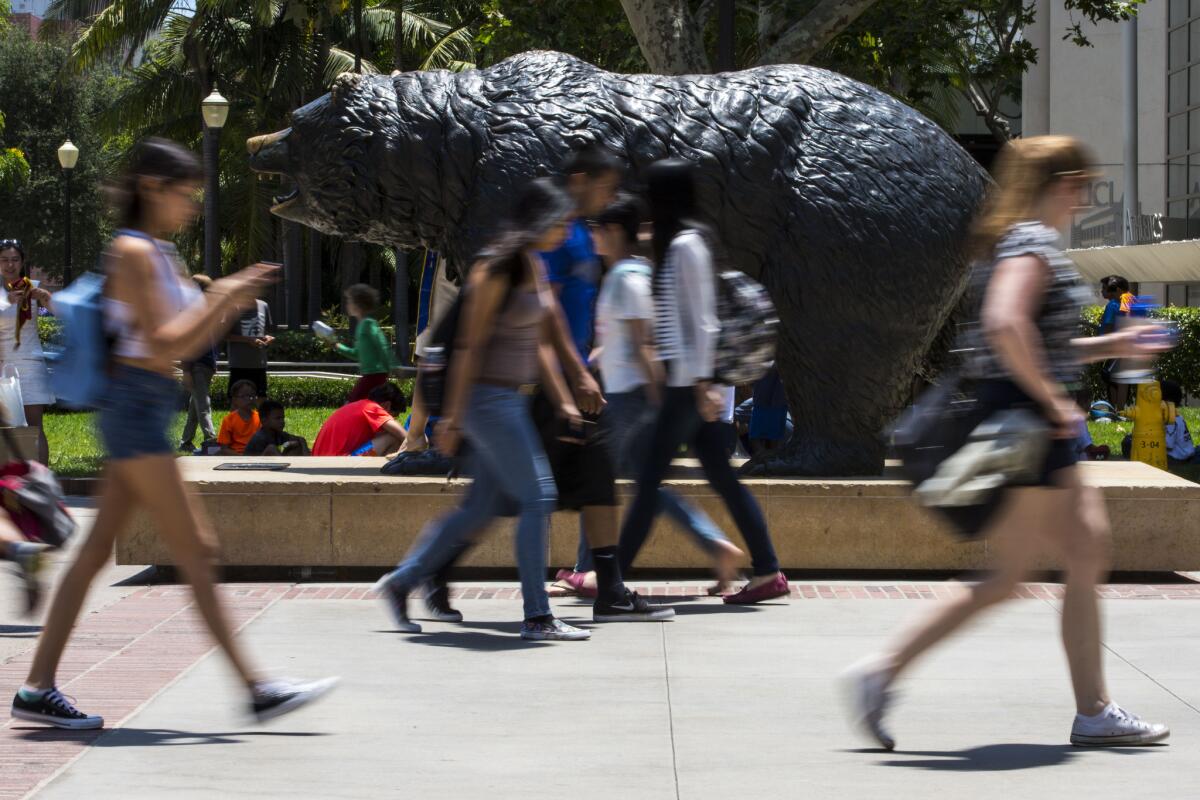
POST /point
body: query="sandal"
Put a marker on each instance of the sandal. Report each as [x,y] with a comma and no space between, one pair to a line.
[569,583]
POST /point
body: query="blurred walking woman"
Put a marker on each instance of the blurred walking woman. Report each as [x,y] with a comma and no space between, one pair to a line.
[156,316]
[1025,351]
[500,356]
[686,328]
[20,344]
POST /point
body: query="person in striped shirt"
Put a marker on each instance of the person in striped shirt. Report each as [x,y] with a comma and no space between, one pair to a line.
[686,328]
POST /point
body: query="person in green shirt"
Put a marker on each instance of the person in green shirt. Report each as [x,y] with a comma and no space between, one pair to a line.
[371,348]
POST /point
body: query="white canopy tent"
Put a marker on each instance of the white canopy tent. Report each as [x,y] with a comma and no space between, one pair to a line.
[1165,262]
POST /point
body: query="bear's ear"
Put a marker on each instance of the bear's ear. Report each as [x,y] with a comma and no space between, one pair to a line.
[346,81]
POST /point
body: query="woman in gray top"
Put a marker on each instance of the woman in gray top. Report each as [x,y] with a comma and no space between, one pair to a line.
[1025,350]
[499,356]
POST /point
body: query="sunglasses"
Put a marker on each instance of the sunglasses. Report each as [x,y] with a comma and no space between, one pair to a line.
[15,244]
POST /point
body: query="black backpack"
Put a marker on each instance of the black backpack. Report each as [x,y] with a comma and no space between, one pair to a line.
[746,343]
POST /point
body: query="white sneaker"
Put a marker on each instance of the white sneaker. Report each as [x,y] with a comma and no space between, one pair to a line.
[555,629]
[275,698]
[1116,727]
[864,686]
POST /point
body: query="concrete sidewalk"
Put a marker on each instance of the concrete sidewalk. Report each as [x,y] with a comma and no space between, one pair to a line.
[723,702]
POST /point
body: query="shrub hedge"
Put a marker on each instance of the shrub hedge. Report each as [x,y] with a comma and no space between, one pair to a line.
[300,392]
[289,345]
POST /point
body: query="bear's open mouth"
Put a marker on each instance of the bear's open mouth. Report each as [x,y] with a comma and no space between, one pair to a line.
[281,201]
[269,155]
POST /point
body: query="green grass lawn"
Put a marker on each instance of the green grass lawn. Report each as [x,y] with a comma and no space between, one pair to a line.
[1112,433]
[75,448]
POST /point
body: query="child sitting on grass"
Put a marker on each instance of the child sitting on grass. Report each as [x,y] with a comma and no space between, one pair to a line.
[240,425]
[371,348]
[272,439]
[1180,447]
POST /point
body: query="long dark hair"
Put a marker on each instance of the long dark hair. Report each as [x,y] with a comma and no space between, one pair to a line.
[540,206]
[155,158]
[15,244]
[671,196]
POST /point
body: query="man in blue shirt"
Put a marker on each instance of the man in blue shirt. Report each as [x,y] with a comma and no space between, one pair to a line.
[574,268]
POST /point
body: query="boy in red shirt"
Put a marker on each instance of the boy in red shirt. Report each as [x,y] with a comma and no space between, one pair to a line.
[365,427]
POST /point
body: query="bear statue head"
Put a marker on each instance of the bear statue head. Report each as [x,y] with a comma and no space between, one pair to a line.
[358,161]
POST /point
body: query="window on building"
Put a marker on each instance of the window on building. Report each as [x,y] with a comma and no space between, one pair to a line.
[1183,119]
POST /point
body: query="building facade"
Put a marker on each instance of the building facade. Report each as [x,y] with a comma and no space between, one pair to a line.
[1080,91]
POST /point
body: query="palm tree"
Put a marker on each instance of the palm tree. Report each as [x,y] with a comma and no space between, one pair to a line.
[267,56]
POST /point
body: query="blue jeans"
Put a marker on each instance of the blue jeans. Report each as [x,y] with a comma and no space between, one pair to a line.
[509,467]
[679,423]
[631,421]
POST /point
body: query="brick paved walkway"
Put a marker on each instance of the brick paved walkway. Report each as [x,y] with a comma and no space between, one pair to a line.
[119,658]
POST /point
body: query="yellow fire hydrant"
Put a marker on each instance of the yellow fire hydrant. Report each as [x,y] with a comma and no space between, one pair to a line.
[1150,418]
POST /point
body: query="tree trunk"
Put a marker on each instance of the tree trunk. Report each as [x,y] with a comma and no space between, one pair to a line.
[293,274]
[803,40]
[668,36]
[400,307]
[314,275]
[398,37]
[373,274]
[350,261]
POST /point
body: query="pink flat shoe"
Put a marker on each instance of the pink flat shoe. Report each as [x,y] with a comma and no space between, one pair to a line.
[576,582]
[767,591]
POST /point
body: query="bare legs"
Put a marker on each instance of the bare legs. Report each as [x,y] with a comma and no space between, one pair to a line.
[153,483]
[1072,520]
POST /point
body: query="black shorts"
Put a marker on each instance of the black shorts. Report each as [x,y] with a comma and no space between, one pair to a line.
[1001,395]
[584,473]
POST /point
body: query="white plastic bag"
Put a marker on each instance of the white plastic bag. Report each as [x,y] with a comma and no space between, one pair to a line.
[12,406]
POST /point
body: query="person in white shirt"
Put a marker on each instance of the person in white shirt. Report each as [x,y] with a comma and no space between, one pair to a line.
[686,328]
[632,376]
[20,344]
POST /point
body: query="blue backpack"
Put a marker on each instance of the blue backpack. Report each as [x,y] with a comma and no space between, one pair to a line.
[79,370]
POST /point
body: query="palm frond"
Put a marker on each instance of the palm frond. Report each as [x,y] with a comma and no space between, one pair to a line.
[339,61]
[453,47]
[120,28]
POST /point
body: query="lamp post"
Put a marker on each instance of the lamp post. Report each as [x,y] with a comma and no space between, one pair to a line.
[215,109]
[68,157]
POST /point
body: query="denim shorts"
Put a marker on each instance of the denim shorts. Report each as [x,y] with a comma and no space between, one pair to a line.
[136,413]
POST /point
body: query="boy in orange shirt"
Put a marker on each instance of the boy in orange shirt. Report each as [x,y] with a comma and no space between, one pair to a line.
[239,426]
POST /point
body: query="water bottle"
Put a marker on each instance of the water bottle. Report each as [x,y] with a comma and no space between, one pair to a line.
[433,378]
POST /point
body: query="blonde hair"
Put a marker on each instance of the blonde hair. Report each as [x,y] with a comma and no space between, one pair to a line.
[1025,170]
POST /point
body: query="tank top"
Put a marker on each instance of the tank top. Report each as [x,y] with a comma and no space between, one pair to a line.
[1057,319]
[175,296]
[510,357]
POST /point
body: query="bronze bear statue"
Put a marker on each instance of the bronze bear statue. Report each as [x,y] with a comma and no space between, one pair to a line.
[851,208]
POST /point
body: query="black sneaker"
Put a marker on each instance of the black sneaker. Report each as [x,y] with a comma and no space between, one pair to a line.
[632,608]
[396,598]
[276,698]
[54,708]
[437,602]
